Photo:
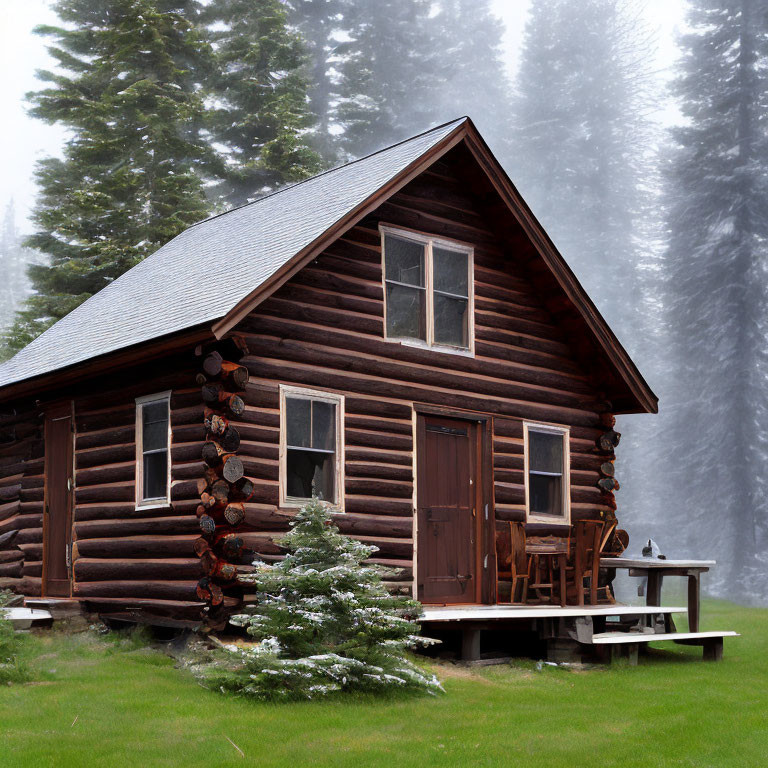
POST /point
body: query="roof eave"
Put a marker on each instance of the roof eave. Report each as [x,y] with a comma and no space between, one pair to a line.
[39,386]
[646,400]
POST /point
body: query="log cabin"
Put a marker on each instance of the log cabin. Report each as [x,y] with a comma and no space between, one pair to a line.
[398,336]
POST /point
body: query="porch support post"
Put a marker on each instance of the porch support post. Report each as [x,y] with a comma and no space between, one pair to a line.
[653,588]
[470,643]
[694,600]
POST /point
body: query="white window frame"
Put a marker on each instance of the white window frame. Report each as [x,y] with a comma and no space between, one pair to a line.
[339,475]
[565,433]
[159,502]
[430,241]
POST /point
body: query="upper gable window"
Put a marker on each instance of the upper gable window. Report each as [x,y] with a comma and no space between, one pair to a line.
[153,438]
[428,290]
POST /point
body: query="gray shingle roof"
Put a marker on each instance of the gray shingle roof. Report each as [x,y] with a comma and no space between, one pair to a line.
[170,291]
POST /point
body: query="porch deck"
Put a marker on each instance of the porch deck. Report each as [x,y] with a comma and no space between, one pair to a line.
[481,613]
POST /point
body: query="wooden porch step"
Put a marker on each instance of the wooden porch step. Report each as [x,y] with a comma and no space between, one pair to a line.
[24,618]
[58,607]
[688,638]
[711,642]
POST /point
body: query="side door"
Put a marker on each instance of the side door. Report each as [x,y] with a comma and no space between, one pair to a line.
[57,517]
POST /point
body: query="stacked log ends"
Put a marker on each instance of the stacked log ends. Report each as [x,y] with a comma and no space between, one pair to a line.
[224,489]
[606,444]
[608,441]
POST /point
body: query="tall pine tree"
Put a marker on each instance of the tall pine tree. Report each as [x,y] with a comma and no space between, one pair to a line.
[389,73]
[14,261]
[717,286]
[382,71]
[580,156]
[319,22]
[260,113]
[473,79]
[128,88]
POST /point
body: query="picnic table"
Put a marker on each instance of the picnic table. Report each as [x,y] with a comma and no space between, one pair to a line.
[655,569]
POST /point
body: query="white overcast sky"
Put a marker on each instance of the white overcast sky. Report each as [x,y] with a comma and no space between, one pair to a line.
[25,140]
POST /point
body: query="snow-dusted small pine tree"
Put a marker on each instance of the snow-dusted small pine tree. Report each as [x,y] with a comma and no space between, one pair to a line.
[324,622]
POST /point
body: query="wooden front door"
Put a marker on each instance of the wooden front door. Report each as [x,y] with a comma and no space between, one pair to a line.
[447,489]
[57,523]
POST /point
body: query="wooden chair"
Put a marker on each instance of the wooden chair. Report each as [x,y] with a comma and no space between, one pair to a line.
[590,538]
[512,560]
[547,562]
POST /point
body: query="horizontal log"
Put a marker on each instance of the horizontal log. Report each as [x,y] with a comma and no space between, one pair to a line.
[11,555]
[260,543]
[188,433]
[9,493]
[122,491]
[105,437]
[389,489]
[111,473]
[27,585]
[30,536]
[190,415]
[32,494]
[378,455]
[387,546]
[132,527]
[108,418]
[13,570]
[184,489]
[109,569]
[377,506]
[385,441]
[10,509]
[33,568]
[138,607]
[165,590]
[94,457]
[136,547]
[32,551]
[373,469]
[117,510]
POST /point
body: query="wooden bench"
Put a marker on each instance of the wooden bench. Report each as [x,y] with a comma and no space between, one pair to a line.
[711,642]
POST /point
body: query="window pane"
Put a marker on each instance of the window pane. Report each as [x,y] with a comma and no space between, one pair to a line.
[155,476]
[451,272]
[545,452]
[308,471]
[154,425]
[406,312]
[323,425]
[298,421]
[546,496]
[404,260]
[451,321]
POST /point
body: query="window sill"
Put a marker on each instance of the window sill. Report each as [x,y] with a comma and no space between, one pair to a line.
[294,505]
[443,350]
[154,505]
[548,520]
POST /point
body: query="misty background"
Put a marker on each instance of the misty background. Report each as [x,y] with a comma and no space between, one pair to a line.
[636,131]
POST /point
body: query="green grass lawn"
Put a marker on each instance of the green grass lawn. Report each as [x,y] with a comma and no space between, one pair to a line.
[97,703]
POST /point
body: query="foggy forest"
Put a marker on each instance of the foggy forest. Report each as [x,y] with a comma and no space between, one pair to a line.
[665,226]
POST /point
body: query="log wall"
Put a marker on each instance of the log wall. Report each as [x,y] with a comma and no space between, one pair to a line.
[324,329]
[124,557]
[21,498]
